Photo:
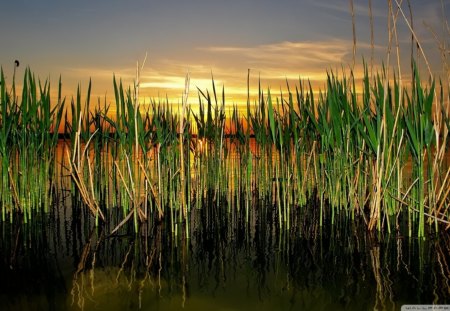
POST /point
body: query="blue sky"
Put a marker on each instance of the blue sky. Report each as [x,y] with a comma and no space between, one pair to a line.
[276,39]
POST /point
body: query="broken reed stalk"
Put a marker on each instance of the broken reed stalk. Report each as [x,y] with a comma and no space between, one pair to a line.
[14,190]
[354,33]
[397,47]
[133,196]
[412,36]
[181,133]
[442,196]
[416,39]
[133,210]
[372,45]
[137,105]
[152,188]
[76,172]
[87,197]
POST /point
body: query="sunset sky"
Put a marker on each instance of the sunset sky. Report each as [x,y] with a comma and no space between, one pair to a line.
[277,40]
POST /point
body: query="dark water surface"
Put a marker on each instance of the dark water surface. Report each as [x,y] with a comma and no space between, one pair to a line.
[62,262]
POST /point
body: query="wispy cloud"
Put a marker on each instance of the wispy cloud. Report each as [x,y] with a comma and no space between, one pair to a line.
[273,63]
[288,53]
[311,55]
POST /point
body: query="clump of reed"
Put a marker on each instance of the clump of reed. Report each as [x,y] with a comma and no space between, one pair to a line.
[28,136]
[349,152]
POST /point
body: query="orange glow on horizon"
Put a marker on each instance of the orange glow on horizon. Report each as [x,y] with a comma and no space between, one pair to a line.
[164,87]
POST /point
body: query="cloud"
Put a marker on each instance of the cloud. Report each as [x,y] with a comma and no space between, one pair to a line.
[272,64]
[287,53]
[228,65]
[317,52]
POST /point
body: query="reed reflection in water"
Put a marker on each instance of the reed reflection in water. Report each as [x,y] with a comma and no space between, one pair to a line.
[226,263]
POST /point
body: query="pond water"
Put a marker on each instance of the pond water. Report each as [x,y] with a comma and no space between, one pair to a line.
[61,261]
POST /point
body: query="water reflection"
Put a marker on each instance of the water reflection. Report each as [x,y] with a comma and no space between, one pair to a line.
[227,263]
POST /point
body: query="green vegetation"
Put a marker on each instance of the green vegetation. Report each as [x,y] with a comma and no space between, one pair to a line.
[377,156]
[28,142]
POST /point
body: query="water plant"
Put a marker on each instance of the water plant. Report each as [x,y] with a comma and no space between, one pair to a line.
[151,163]
[29,135]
